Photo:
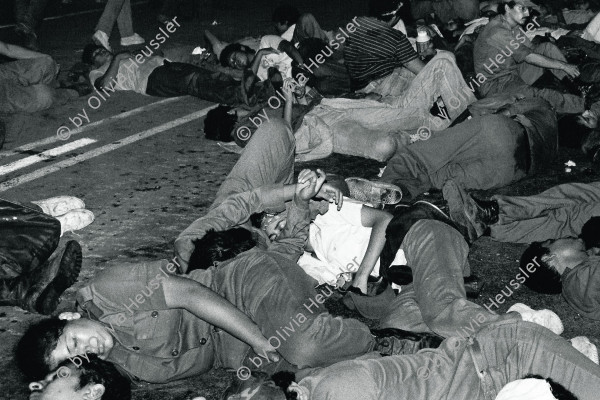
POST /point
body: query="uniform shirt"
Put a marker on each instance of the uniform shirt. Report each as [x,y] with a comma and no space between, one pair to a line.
[374,50]
[131,75]
[157,344]
[581,288]
[499,49]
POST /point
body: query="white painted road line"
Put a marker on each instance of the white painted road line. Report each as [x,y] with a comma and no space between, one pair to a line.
[101,150]
[45,155]
[55,138]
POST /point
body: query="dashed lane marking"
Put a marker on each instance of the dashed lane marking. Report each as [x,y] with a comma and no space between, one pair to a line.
[19,180]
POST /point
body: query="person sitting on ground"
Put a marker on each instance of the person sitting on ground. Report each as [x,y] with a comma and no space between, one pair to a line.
[157,76]
[89,379]
[36,266]
[211,317]
[507,62]
[504,361]
[28,84]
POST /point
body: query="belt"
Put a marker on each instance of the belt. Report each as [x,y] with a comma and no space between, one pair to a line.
[487,385]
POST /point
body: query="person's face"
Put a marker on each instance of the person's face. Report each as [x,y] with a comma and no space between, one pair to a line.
[281,27]
[273,225]
[63,384]
[239,60]
[566,253]
[518,13]
[101,56]
[81,336]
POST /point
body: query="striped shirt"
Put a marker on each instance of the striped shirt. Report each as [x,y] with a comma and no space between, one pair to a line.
[374,50]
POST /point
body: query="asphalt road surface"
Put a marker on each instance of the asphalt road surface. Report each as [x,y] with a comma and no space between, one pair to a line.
[142,165]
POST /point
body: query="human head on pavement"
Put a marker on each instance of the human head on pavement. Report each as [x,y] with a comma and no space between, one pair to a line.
[547,261]
[49,342]
[96,55]
[89,379]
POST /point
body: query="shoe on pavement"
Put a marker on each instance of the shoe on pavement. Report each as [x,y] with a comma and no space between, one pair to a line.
[585,347]
[59,205]
[475,215]
[376,193]
[132,40]
[75,220]
[101,39]
[58,274]
[545,318]
[392,341]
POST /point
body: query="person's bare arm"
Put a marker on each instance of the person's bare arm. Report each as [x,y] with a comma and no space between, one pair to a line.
[181,292]
[542,61]
[291,51]
[112,71]
[18,52]
[378,220]
[415,66]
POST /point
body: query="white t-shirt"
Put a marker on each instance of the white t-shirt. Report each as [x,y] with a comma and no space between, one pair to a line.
[281,61]
[131,75]
[289,33]
[340,241]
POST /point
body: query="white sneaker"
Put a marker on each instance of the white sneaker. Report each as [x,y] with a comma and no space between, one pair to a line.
[101,39]
[132,40]
[59,205]
[585,347]
[75,220]
[545,318]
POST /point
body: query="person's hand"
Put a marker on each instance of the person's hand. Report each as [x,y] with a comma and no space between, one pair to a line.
[571,70]
[360,283]
[309,183]
[331,194]
[288,90]
[265,349]
[588,119]
[69,316]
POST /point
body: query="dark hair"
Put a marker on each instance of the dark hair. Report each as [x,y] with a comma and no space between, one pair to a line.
[284,379]
[88,52]
[230,49]
[545,279]
[571,133]
[558,390]
[219,124]
[590,233]
[32,353]
[503,4]
[286,14]
[219,246]
[97,371]
[379,7]
[257,219]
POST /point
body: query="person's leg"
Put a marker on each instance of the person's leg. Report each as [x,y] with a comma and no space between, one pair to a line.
[437,255]
[512,350]
[109,16]
[21,8]
[531,73]
[36,12]
[30,71]
[557,212]
[308,27]
[478,153]
[125,21]
[440,77]
[17,98]
[267,159]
